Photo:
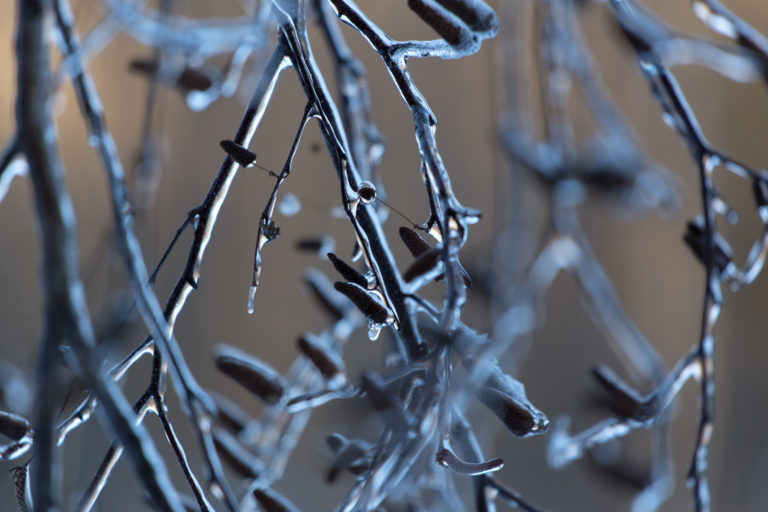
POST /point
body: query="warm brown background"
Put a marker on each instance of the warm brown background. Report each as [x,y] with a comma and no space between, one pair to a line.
[655,275]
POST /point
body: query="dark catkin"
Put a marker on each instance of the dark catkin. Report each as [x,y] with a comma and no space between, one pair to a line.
[347,272]
[309,244]
[229,415]
[250,372]
[243,156]
[447,25]
[272,501]
[321,290]
[347,453]
[518,419]
[325,359]
[236,455]
[195,79]
[415,244]
[190,78]
[622,399]
[336,442]
[20,474]
[760,192]
[367,305]
[13,426]
[315,244]
[424,264]
[696,240]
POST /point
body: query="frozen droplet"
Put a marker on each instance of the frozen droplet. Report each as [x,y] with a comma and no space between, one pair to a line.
[251,297]
[668,119]
[472,216]
[17,167]
[716,22]
[376,151]
[289,205]
[367,192]
[198,100]
[93,141]
[374,330]
[269,232]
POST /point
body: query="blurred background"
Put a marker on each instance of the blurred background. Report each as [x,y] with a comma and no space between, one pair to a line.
[656,276]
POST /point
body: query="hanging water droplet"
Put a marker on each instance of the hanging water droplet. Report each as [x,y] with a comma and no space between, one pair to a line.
[367,192]
[472,216]
[256,278]
[17,167]
[251,297]
[93,141]
[374,330]
[289,205]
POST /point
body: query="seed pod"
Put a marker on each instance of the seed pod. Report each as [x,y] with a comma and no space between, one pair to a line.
[322,356]
[364,302]
[320,288]
[448,26]
[273,501]
[477,15]
[243,156]
[347,272]
[236,455]
[415,244]
[448,459]
[424,264]
[13,426]
[252,373]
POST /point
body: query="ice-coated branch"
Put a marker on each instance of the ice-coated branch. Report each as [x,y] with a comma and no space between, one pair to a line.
[65,310]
